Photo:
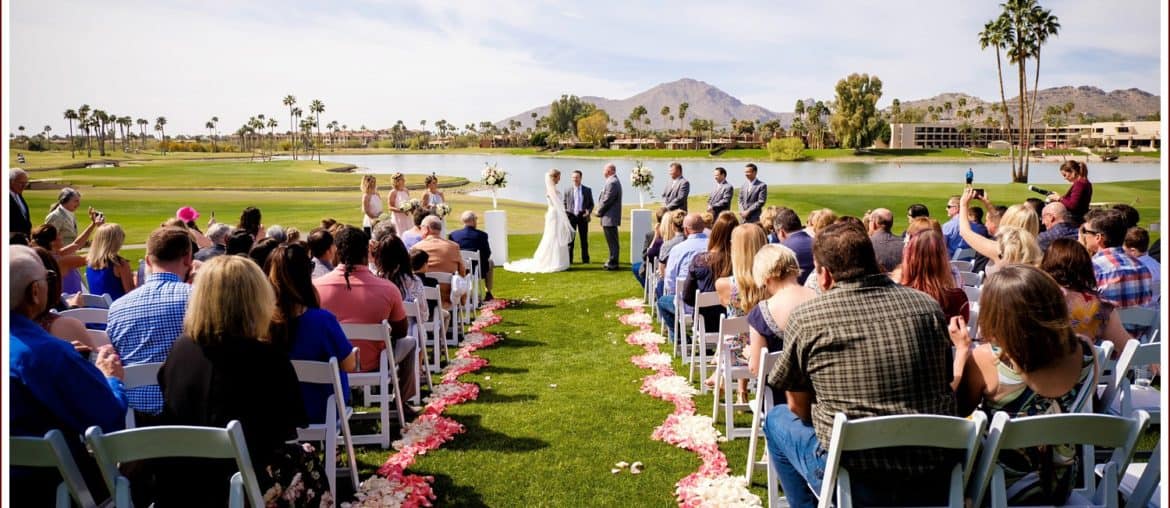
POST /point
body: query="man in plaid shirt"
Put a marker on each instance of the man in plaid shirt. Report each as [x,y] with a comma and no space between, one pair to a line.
[865,347]
[1121,279]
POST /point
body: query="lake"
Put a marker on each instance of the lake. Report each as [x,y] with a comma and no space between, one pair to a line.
[525,182]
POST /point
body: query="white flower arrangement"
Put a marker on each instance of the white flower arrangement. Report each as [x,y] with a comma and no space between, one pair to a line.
[724,491]
[676,386]
[690,431]
[442,210]
[410,206]
[379,491]
[494,177]
[655,360]
[641,177]
[646,338]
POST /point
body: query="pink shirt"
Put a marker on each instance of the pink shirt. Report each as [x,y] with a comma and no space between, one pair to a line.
[369,299]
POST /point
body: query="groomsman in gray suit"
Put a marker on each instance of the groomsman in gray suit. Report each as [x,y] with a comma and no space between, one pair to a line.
[609,208]
[720,199]
[675,195]
[752,195]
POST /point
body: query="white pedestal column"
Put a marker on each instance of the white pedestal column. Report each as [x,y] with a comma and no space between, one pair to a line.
[496,226]
[641,222]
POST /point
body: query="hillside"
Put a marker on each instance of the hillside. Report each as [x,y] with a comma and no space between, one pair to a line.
[1132,103]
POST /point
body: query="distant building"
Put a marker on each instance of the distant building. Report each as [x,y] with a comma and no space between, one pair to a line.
[1126,136]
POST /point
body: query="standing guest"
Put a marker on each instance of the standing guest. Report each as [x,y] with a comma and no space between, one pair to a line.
[887,246]
[1080,194]
[1137,245]
[393,263]
[1070,265]
[926,268]
[720,199]
[19,219]
[1057,224]
[371,202]
[218,234]
[609,209]
[793,236]
[239,242]
[106,270]
[303,329]
[355,295]
[1121,280]
[774,269]
[414,234]
[444,255]
[224,368]
[144,324]
[433,196]
[679,263]
[752,195]
[45,236]
[396,199]
[472,239]
[63,216]
[63,327]
[768,222]
[578,206]
[250,221]
[674,196]
[323,251]
[1032,364]
[50,386]
[831,343]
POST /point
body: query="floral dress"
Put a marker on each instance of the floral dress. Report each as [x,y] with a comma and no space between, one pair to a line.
[736,345]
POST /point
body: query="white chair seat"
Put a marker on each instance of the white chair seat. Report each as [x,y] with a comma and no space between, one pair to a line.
[1145,398]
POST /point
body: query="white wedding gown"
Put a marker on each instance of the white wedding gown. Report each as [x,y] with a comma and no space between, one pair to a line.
[552,254]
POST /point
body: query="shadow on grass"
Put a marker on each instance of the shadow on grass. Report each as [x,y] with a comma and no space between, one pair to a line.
[511,342]
[493,369]
[493,397]
[520,305]
[478,437]
[447,493]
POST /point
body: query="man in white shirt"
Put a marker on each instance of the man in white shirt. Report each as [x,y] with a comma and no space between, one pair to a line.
[579,206]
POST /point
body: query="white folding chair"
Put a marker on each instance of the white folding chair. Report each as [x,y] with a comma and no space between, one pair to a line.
[1140,483]
[137,376]
[385,379]
[52,451]
[336,418]
[933,431]
[1122,396]
[701,339]
[1085,401]
[1084,429]
[651,269]
[418,328]
[475,272]
[964,254]
[760,407]
[973,321]
[1142,319]
[962,265]
[727,375]
[93,301]
[89,316]
[175,441]
[454,324]
[970,279]
[973,295]
[433,330]
[682,321]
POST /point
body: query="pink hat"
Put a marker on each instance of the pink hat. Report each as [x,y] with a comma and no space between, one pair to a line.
[187,214]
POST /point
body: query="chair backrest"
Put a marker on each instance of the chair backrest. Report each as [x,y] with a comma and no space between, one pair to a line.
[141,374]
[52,451]
[442,277]
[1147,484]
[702,299]
[376,332]
[88,315]
[972,322]
[970,279]
[1134,356]
[733,326]
[764,396]
[1090,430]
[962,265]
[174,441]
[1141,319]
[324,373]
[1083,403]
[934,431]
[965,253]
[471,260]
[93,301]
[973,295]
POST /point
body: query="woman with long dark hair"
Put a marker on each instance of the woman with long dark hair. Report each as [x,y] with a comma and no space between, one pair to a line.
[250,221]
[392,261]
[1071,266]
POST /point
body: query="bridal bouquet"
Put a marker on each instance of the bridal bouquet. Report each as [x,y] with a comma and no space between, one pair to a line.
[442,210]
[410,206]
[642,177]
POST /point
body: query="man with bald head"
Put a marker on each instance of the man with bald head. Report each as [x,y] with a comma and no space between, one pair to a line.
[886,246]
[18,219]
[1058,223]
[609,209]
[679,262]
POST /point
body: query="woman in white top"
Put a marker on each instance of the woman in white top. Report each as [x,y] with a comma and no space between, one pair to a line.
[371,202]
[433,196]
[396,200]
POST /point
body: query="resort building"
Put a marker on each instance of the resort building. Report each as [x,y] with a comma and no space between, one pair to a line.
[1125,136]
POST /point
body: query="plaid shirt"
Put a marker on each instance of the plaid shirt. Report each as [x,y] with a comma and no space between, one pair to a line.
[144,325]
[870,347]
[1121,279]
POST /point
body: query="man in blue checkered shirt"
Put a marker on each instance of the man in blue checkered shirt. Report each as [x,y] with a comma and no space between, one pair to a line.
[1122,280]
[145,322]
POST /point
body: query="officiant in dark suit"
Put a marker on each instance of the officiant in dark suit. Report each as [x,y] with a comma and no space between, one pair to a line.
[609,209]
[579,206]
[18,218]
[674,196]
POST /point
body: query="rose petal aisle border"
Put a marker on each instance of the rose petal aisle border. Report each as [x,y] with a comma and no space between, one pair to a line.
[712,484]
[393,486]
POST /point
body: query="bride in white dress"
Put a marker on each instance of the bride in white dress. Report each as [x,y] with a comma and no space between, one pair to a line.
[552,255]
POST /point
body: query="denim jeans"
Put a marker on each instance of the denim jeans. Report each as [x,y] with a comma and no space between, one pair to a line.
[796,454]
[637,269]
[666,310]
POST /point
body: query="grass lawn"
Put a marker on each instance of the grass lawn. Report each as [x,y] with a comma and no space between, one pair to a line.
[55,158]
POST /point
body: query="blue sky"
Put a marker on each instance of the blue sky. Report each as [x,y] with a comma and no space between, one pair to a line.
[374,62]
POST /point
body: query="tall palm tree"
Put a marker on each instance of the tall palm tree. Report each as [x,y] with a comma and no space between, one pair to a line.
[142,123]
[996,34]
[1042,24]
[297,112]
[160,125]
[126,122]
[682,113]
[100,118]
[316,108]
[665,113]
[271,136]
[71,115]
[291,101]
[83,122]
[1031,26]
[211,126]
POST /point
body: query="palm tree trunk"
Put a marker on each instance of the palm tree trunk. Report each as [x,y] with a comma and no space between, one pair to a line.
[72,147]
[1025,136]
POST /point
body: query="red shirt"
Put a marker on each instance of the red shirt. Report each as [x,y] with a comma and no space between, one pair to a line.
[369,299]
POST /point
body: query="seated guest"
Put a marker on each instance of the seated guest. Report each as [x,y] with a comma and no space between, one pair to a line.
[1130,214]
[443,254]
[106,270]
[793,236]
[382,230]
[46,237]
[775,270]
[1057,222]
[392,262]
[472,239]
[293,235]
[414,235]
[224,368]
[197,238]
[738,292]
[818,220]
[1016,246]
[63,327]
[652,243]
[218,234]
[677,237]
[887,246]
[323,251]
[355,295]
[706,268]
[261,250]
[302,328]
[950,229]
[863,318]
[1121,279]
[239,242]
[994,216]
[768,221]
[1032,364]
[1137,245]
[927,269]
[1070,265]
[50,386]
[917,210]
[1017,216]
[144,324]
[679,263]
[1037,206]
[276,232]
[418,263]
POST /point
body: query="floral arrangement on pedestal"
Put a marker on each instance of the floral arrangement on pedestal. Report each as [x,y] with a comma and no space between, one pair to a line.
[642,177]
[494,177]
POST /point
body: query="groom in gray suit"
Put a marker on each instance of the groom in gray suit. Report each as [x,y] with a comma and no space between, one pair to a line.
[752,196]
[674,196]
[609,208]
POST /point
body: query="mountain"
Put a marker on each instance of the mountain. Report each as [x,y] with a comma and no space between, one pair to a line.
[1131,104]
[704,101]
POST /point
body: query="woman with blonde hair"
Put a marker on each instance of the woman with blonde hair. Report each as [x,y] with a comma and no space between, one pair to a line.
[224,368]
[738,292]
[371,202]
[774,271]
[1017,216]
[433,196]
[766,219]
[818,220]
[396,199]
[108,272]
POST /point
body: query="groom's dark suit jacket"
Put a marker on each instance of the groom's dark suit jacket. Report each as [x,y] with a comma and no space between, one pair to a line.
[586,203]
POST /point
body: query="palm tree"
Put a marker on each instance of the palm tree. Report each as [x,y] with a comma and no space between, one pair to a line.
[210,133]
[1030,27]
[996,34]
[46,130]
[318,107]
[142,123]
[682,113]
[160,124]
[1042,25]
[290,101]
[665,113]
[100,118]
[83,122]
[271,134]
[297,112]
[71,115]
